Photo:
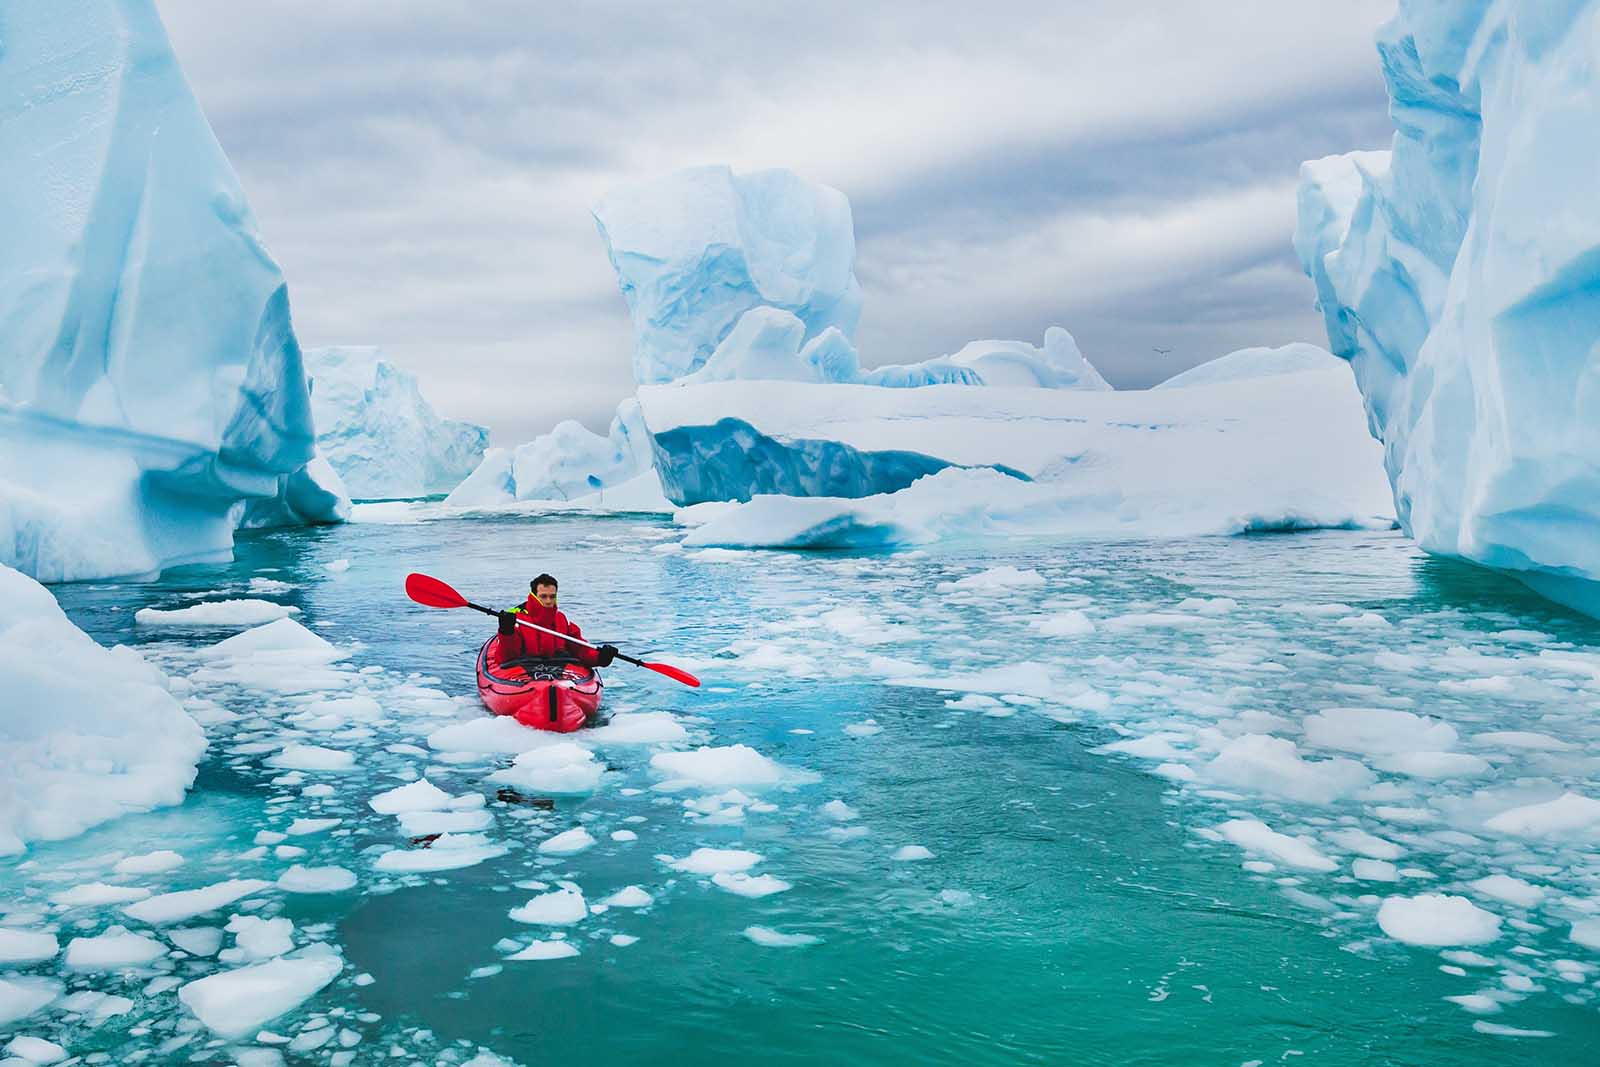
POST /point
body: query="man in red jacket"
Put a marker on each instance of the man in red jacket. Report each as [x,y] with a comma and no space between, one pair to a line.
[540,609]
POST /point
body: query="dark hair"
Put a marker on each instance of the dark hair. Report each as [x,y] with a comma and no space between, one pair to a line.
[543,579]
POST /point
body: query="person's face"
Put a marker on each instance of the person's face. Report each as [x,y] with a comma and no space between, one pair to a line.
[546,595]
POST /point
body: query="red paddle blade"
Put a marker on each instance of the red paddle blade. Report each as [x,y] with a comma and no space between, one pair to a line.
[674,673]
[432,592]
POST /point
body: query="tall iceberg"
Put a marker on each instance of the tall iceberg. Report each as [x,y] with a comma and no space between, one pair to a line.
[151,382]
[1459,274]
[378,431]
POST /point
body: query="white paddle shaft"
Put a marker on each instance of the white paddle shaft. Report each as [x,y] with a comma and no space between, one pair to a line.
[555,633]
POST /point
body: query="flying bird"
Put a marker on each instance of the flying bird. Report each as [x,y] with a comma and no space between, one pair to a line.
[1164,351]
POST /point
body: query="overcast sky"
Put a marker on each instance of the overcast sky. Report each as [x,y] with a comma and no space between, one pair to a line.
[424,171]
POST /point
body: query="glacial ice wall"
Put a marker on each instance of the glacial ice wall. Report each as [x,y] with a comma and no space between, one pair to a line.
[380,433]
[568,463]
[1460,276]
[151,381]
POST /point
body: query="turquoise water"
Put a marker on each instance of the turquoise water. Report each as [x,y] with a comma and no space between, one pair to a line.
[1076,907]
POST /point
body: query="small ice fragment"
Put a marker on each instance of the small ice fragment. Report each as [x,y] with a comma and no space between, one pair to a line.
[1374,870]
[149,863]
[257,939]
[186,904]
[219,613]
[298,879]
[1437,920]
[746,885]
[112,950]
[623,940]
[197,940]
[448,852]
[1510,890]
[1568,814]
[714,861]
[839,811]
[546,950]
[237,1003]
[562,907]
[730,765]
[1256,836]
[312,758]
[421,795]
[911,853]
[567,842]
[769,938]
[629,897]
[863,729]
[624,835]
[26,946]
[35,1050]
[94,894]
[304,827]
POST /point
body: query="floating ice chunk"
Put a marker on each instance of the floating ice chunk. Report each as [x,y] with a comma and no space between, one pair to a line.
[94,894]
[730,765]
[298,879]
[1220,605]
[35,1050]
[220,613]
[188,903]
[911,854]
[638,728]
[312,758]
[1378,731]
[26,946]
[197,940]
[235,1004]
[714,861]
[1568,815]
[448,852]
[1501,1030]
[1434,765]
[623,940]
[1510,890]
[629,897]
[567,842]
[1359,841]
[499,734]
[307,827]
[1375,870]
[624,835]
[1274,765]
[1586,932]
[839,811]
[1065,624]
[868,728]
[1437,920]
[112,950]
[994,579]
[1521,739]
[21,996]
[563,907]
[149,863]
[748,885]
[421,795]
[547,950]
[769,938]
[564,768]
[282,637]
[1256,836]
[257,939]
[422,823]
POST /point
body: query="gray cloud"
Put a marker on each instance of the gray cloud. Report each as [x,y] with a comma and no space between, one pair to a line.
[424,171]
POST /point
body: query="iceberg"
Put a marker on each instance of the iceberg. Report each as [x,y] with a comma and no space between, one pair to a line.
[86,733]
[379,433]
[843,466]
[570,463]
[1259,362]
[695,250]
[152,381]
[1457,273]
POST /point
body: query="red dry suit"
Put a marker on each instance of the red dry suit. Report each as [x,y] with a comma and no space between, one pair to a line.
[543,645]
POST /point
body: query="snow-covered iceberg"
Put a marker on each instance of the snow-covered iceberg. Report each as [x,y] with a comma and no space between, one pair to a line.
[86,733]
[151,382]
[1458,275]
[855,466]
[1259,362]
[379,432]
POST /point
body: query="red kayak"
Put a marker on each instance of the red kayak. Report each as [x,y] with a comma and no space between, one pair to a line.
[543,694]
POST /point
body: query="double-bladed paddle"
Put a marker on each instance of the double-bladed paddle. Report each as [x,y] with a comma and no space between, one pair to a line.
[433,593]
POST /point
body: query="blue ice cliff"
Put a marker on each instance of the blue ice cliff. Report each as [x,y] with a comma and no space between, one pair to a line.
[151,386]
[1459,273]
[380,433]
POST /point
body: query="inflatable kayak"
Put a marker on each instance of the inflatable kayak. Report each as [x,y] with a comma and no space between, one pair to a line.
[544,694]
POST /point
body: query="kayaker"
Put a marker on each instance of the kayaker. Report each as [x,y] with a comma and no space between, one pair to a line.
[540,609]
